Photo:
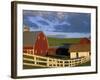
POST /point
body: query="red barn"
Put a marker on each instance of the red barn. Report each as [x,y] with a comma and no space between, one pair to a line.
[35,43]
[84,41]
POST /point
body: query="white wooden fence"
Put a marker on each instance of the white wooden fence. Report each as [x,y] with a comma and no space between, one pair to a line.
[40,61]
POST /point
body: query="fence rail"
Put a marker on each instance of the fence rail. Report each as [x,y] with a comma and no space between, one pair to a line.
[41,61]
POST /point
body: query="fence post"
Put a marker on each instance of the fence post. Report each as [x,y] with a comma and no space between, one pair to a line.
[56,62]
[47,62]
[63,63]
[34,59]
[68,63]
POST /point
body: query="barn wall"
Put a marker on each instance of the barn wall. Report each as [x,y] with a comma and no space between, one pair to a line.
[81,54]
[41,45]
[73,55]
[33,51]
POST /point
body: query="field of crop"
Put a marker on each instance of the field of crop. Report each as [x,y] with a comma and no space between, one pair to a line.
[62,41]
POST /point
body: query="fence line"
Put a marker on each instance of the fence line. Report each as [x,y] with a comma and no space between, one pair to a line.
[41,61]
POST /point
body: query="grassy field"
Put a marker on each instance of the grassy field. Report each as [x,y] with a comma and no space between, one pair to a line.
[62,41]
[33,67]
[86,64]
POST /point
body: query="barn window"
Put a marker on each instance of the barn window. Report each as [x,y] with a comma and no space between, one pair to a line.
[43,38]
[30,52]
[35,51]
[26,51]
[38,37]
[46,50]
[41,51]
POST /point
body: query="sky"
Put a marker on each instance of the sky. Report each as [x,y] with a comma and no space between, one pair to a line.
[58,24]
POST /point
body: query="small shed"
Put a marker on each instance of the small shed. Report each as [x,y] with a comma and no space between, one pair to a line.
[79,50]
[84,41]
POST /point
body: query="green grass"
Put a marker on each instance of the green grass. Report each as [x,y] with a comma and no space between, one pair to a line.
[33,67]
[62,41]
[86,64]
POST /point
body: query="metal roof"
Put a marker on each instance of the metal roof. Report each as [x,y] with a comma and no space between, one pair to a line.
[79,48]
[29,37]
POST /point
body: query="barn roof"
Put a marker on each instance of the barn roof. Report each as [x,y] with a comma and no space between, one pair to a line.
[29,37]
[79,48]
[84,41]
